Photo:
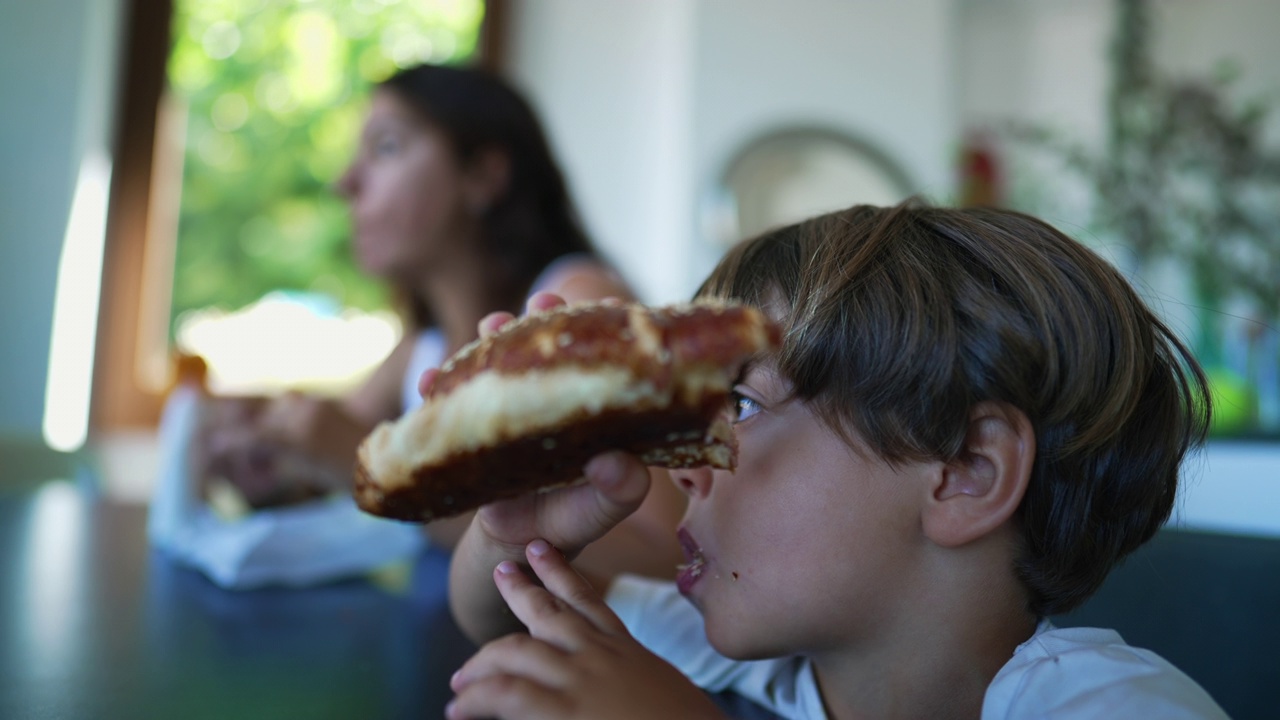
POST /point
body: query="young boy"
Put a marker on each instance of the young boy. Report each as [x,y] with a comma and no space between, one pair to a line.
[972,419]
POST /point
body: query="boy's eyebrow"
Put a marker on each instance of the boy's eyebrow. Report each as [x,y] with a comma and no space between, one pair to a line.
[764,363]
[746,369]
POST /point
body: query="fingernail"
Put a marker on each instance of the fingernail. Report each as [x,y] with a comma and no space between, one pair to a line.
[603,469]
[453,679]
[506,567]
[449,708]
[539,547]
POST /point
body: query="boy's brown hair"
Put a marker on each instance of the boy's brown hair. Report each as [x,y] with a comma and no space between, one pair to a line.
[901,319]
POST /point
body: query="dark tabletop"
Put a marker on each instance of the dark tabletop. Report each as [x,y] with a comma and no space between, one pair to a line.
[94,623]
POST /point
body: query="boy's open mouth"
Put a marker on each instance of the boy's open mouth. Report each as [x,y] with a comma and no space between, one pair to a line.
[693,566]
[690,571]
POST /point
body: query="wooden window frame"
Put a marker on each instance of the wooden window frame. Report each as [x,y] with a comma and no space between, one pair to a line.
[132,357]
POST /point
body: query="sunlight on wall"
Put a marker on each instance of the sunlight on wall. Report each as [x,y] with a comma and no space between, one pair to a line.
[75,309]
[288,341]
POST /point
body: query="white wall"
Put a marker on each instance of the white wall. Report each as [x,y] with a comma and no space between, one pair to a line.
[57,73]
[612,80]
[1038,61]
[646,102]
[880,71]
[1233,488]
[1194,36]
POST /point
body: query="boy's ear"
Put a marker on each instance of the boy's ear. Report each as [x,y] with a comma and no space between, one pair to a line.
[979,491]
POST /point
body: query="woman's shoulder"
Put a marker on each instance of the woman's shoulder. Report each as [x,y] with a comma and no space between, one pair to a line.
[428,349]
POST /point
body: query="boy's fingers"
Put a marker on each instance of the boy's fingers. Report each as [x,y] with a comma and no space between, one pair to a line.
[561,580]
[540,301]
[507,697]
[515,654]
[547,617]
[490,323]
[426,380]
[621,482]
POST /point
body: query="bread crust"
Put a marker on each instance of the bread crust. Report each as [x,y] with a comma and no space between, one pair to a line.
[525,408]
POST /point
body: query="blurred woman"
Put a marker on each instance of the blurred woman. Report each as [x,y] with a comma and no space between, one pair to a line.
[456,201]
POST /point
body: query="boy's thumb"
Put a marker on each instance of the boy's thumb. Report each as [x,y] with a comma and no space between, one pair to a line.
[620,477]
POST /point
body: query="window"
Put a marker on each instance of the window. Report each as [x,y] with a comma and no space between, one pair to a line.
[237,117]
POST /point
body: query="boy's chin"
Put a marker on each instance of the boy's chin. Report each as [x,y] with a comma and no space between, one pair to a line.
[735,641]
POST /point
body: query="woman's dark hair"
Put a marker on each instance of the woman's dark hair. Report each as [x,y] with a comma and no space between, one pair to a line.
[901,319]
[534,221]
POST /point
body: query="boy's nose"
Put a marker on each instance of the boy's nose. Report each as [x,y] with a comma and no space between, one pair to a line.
[695,482]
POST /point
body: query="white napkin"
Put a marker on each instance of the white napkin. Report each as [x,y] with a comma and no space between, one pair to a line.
[306,544]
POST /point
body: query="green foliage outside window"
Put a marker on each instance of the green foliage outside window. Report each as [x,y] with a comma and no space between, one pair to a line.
[275,92]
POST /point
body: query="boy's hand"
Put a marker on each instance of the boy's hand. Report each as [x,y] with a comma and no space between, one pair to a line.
[578,660]
[570,518]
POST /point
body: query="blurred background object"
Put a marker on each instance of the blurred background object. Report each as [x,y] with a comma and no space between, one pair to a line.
[1189,184]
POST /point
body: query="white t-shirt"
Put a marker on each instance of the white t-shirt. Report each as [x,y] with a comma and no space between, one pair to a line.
[1062,673]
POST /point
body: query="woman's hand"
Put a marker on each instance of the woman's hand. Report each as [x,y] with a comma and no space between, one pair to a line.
[280,450]
[316,426]
[578,660]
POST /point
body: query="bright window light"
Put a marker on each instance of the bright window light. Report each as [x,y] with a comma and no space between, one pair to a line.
[75,309]
[288,341]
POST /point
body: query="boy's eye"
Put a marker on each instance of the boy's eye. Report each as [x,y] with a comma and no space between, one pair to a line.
[742,407]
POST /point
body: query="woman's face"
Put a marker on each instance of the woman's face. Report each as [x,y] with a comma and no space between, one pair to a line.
[407,191]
